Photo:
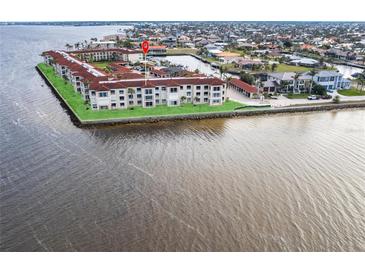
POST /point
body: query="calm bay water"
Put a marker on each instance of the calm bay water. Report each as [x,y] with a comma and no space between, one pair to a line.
[279,183]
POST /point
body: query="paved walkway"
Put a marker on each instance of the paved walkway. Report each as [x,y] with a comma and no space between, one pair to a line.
[282,101]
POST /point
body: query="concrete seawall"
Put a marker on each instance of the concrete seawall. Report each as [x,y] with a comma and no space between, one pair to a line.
[229,114]
[74,117]
[197,116]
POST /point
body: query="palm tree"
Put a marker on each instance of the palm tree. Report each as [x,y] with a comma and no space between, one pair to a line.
[284,84]
[228,79]
[222,70]
[274,66]
[195,99]
[296,77]
[360,79]
[312,73]
[131,91]
[68,46]
[183,99]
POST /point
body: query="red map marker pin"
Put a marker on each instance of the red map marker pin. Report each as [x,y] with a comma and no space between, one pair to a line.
[145,46]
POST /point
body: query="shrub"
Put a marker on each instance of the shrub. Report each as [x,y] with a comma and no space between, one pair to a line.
[336,99]
[318,89]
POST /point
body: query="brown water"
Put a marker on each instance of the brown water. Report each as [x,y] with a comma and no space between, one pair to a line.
[275,183]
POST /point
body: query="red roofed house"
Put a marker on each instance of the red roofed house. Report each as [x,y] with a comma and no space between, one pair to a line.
[242,87]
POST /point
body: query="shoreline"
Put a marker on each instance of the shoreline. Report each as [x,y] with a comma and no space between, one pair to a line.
[196,116]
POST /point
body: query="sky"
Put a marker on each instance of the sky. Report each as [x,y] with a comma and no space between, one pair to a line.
[185,10]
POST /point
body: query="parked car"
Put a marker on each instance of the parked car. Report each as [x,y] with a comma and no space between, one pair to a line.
[326,97]
[312,97]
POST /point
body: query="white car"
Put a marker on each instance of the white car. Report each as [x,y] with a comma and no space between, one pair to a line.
[312,97]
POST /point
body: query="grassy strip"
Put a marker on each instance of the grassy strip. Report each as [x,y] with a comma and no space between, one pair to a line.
[101,65]
[352,92]
[297,96]
[180,51]
[84,112]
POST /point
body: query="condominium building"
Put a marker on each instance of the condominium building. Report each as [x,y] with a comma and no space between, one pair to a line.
[109,54]
[156,91]
[104,92]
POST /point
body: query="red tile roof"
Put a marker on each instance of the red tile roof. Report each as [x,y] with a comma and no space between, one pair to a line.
[119,50]
[243,85]
[101,83]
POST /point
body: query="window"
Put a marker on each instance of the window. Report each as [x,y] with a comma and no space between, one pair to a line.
[148,97]
[173,90]
[149,104]
[163,101]
[130,96]
[173,103]
[93,93]
[114,105]
[130,102]
[121,104]
[139,95]
[181,87]
[198,94]
[216,94]
[103,94]
[157,94]
[103,107]
[206,93]
[121,98]
[163,88]
[206,87]
[148,91]
[157,101]
[216,101]
[138,89]
[139,102]
[95,106]
[198,87]
[205,99]
[121,91]
[112,92]
[188,93]
[216,88]
[188,87]
[157,88]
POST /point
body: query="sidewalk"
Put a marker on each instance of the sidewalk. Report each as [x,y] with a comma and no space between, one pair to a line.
[283,101]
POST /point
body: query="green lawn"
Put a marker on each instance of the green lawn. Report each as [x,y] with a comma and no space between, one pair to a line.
[85,113]
[297,96]
[101,65]
[352,92]
[181,51]
[289,68]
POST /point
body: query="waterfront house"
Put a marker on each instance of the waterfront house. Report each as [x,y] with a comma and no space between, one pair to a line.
[285,82]
[331,80]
